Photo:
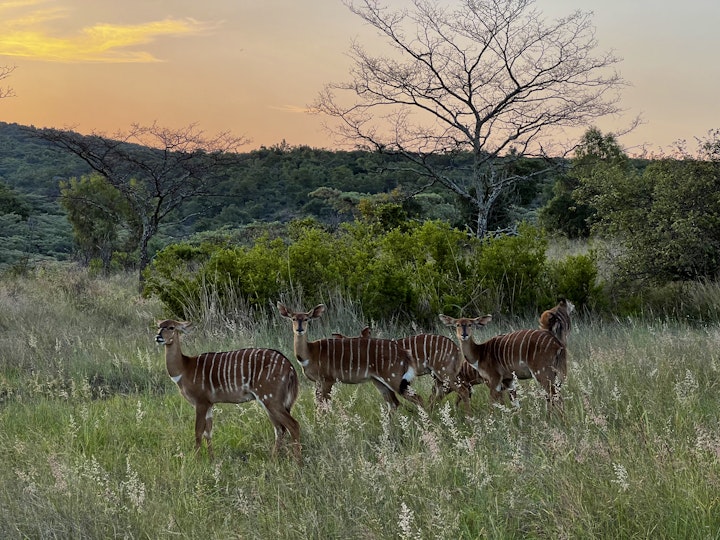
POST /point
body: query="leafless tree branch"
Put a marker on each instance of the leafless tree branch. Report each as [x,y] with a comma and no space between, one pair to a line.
[488,77]
[5,72]
[155,168]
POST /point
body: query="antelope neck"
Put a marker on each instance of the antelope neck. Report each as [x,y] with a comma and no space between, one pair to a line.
[302,350]
[468,347]
[174,360]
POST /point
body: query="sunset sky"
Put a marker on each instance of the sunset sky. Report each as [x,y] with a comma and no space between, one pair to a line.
[251,67]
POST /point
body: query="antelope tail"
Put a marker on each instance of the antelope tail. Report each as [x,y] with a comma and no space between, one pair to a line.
[293,389]
[411,372]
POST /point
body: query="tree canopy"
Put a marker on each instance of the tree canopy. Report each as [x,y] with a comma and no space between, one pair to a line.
[155,169]
[666,217]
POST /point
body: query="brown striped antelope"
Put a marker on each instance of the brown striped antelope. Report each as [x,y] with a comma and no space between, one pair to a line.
[557,319]
[237,376]
[466,378]
[522,354]
[351,360]
[436,355]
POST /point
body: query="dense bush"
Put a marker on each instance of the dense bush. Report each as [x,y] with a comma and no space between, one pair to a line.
[663,219]
[412,273]
[173,275]
[511,269]
[576,277]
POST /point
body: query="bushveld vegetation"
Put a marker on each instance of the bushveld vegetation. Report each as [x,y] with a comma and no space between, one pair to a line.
[410,272]
[97,442]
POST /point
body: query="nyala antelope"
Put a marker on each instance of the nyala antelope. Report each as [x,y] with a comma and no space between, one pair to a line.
[238,376]
[352,360]
[522,354]
[438,356]
[466,378]
[557,320]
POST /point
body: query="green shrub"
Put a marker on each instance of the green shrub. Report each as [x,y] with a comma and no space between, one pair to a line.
[413,272]
[692,301]
[256,274]
[509,270]
[312,261]
[172,275]
[575,277]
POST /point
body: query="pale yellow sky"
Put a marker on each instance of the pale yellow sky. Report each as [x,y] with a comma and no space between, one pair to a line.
[252,67]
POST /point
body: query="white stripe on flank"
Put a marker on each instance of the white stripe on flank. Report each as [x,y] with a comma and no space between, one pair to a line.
[342,361]
[197,363]
[250,363]
[228,371]
[242,370]
[223,373]
[253,373]
[234,375]
[525,342]
[210,374]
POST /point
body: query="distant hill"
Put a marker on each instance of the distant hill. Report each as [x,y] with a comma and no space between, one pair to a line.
[31,165]
[275,184]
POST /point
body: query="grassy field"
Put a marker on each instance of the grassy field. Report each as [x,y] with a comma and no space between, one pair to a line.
[96,442]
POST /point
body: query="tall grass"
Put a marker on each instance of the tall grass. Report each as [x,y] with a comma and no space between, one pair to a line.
[96,442]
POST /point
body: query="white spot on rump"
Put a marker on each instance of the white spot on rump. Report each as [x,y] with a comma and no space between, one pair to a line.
[409,375]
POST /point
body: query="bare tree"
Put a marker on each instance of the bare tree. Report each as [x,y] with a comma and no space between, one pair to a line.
[155,168]
[486,78]
[5,72]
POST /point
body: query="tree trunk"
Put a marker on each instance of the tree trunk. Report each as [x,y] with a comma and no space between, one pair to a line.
[481,222]
[147,233]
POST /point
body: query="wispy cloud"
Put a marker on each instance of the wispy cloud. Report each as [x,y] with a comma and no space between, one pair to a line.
[289,108]
[24,33]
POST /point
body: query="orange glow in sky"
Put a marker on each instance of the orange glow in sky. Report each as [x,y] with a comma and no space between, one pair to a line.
[253,67]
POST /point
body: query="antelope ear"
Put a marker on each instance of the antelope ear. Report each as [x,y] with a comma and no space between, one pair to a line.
[482,321]
[184,326]
[447,320]
[283,310]
[365,333]
[317,311]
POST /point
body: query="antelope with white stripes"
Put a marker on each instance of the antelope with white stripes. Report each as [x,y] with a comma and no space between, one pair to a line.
[354,360]
[466,378]
[265,375]
[436,355]
[557,319]
[522,354]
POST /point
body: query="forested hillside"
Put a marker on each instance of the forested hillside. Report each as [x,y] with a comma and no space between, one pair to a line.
[650,229]
[33,226]
[267,185]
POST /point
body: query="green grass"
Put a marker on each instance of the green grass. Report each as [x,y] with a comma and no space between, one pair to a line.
[96,442]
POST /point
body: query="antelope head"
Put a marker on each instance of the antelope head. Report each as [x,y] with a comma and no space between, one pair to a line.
[300,319]
[167,330]
[464,326]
